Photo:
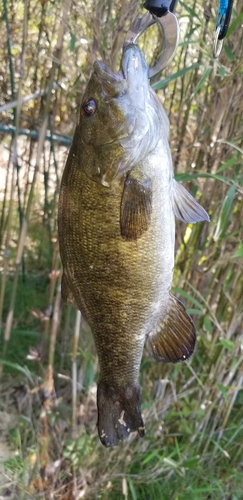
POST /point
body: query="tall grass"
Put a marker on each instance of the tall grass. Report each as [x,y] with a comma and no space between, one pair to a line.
[193,446]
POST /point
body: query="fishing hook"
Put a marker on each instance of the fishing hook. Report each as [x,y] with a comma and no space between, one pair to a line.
[170,28]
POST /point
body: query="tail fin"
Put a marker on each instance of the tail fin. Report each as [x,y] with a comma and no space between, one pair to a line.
[118,412]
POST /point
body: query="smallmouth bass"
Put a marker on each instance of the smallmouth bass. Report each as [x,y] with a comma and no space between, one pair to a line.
[117,208]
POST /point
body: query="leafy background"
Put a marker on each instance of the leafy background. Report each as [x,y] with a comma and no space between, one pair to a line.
[49,448]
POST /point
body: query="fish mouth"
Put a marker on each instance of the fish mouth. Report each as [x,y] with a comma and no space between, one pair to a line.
[114,86]
[129,88]
[113,83]
[133,72]
[133,64]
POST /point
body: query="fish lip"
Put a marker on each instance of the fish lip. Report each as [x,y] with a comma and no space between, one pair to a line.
[133,61]
[108,78]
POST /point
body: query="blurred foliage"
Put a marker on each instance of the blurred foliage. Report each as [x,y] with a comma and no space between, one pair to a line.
[193,412]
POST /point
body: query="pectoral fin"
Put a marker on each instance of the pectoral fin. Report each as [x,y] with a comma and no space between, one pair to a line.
[67,295]
[136,207]
[175,337]
[185,207]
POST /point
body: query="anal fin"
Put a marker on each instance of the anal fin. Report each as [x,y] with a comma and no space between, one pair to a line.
[136,207]
[175,337]
[185,207]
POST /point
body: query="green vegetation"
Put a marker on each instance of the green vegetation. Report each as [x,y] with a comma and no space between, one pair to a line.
[193,448]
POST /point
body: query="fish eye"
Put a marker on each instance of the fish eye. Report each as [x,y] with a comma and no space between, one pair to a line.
[89,107]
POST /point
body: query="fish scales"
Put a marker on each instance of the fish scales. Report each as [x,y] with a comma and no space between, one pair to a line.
[114,269]
[117,208]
